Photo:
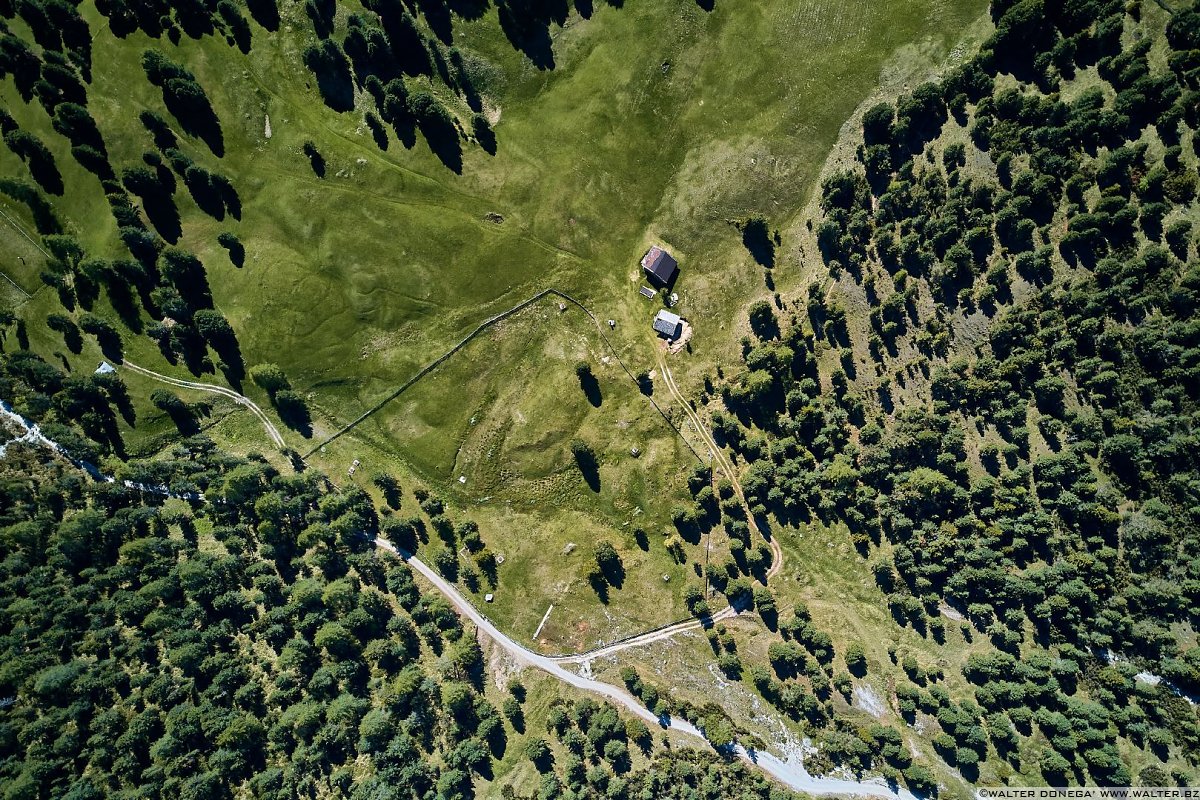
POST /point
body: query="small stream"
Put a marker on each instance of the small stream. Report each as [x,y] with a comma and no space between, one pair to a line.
[788,770]
[32,434]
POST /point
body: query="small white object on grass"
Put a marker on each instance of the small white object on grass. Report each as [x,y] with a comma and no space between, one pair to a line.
[462,478]
[487,598]
[267,126]
[542,624]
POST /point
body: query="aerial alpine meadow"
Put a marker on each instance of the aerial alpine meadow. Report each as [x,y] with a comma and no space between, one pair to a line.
[626,399]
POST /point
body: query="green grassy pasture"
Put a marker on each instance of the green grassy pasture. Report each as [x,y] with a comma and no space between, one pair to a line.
[501,414]
[659,123]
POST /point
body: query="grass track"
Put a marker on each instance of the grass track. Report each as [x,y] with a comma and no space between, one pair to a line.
[654,126]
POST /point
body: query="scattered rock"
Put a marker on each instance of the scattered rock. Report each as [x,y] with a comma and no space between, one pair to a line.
[866,699]
[947,611]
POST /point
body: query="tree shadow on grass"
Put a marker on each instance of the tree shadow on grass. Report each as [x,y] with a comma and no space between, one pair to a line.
[642,540]
[123,300]
[194,19]
[185,420]
[294,413]
[44,171]
[321,13]
[378,131]
[528,30]
[757,240]
[265,13]
[205,194]
[315,160]
[468,9]
[614,574]
[484,134]
[72,338]
[497,742]
[335,82]
[443,141]
[591,389]
[545,762]
[599,586]
[236,250]
[162,213]
[437,16]
[110,345]
[590,471]
[188,103]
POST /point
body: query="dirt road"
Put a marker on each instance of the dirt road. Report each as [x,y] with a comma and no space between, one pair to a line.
[272,431]
[789,770]
[722,461]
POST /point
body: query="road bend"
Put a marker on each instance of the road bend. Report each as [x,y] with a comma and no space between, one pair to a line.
[722,462]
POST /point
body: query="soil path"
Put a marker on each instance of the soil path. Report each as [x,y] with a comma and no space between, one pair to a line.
[272,431]
[722,461]
[790,770]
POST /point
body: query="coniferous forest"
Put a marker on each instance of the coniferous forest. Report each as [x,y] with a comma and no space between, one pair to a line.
[989,391]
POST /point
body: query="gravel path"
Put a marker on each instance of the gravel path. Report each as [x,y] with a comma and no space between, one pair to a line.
[789,770]
[723,463]
[272,431]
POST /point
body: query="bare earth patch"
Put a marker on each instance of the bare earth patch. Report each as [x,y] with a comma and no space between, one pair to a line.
[866,699]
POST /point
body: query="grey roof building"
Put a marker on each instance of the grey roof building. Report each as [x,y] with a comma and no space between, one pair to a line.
[659,265]
[667,324]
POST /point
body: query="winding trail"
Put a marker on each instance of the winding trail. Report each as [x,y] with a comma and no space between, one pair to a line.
[789,770]
[722,461]
[241,399]
[649,637]
[19,229]
[480,328]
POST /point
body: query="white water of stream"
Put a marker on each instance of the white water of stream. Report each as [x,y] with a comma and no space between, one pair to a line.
[788,769]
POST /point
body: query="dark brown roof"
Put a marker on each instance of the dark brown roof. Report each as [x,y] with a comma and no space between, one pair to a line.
[659,264]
